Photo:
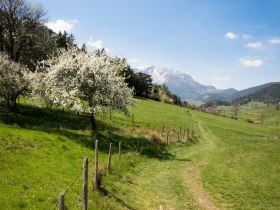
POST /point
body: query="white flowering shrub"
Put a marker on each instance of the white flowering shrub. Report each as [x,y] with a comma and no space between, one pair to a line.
[13,81]
[86,83]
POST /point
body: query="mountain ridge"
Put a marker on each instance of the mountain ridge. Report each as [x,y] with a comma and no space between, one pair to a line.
[183,85]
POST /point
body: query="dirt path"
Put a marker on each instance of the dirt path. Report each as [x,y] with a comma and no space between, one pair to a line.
[193,179]
[174,183]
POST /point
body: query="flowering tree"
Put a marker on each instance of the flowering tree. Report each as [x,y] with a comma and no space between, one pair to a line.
[13,81]
[87,83]
[38,85]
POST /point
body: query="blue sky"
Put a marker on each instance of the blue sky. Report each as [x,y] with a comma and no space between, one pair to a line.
[218,42]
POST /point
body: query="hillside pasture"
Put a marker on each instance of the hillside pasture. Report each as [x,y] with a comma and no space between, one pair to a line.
[228,163]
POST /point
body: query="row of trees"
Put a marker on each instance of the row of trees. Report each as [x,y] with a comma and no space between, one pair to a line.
[50,67]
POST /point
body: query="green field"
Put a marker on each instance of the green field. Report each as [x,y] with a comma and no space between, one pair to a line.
[254,112]
[228,164]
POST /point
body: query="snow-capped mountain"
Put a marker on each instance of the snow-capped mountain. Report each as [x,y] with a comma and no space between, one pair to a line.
[182,84]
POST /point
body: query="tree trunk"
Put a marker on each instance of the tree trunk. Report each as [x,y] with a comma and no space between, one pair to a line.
[93,124]
[12,105]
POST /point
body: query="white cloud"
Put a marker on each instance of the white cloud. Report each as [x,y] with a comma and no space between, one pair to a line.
[254,45]
[134,60]
[96,44]
[246,36]
[230,35]
[221,78]
[62,25]
[251,62]
[275,40]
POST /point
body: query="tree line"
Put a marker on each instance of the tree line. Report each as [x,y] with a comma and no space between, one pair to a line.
[50,67]
[144,87]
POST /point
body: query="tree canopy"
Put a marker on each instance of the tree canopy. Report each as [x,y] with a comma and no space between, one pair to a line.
[13,81]
[22,33]
[85,82]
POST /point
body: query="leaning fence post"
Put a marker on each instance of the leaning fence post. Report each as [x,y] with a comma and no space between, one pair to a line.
[109,158]
[61,201]
[95,183]
[85,184]
[120,150]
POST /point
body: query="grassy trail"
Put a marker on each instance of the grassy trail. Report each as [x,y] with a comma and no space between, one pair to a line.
[174,183]
[193,179]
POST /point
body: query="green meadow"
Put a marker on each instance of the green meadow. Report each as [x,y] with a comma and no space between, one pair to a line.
[173,158]
[254,112]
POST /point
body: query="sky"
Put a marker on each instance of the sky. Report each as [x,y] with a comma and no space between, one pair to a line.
[225,43]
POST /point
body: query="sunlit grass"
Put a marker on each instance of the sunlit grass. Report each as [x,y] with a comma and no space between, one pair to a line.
[231,163]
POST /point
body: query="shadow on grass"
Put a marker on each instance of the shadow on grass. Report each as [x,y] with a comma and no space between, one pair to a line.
[66,123]
[129,143]
[104,192]
[39,117]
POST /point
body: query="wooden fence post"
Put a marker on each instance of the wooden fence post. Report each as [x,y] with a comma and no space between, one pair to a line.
[178,135]
[163,128]
[167,137]
[120,150]
[61,201]
[95,183]
[109,158]
[85,184]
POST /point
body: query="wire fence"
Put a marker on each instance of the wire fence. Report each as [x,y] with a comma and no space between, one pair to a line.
[75,200]
[72,197]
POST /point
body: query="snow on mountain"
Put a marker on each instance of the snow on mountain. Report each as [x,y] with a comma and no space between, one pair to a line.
[180,83]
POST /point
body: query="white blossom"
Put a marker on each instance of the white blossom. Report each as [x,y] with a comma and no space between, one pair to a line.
[86,82]
[13,81]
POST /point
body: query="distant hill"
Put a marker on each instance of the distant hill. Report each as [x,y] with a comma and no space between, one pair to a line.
[269,93]
[251,90]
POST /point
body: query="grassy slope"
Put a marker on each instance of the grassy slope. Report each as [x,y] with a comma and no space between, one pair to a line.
[234,164]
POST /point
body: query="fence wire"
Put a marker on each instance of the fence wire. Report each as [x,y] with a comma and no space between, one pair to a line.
[69,188]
